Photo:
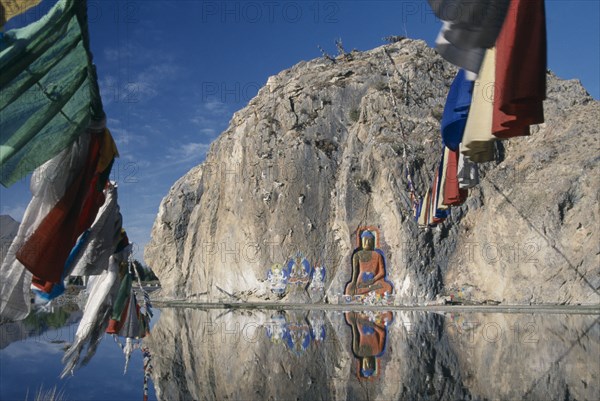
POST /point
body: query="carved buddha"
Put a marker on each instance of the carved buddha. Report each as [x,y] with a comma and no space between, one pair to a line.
[368,269]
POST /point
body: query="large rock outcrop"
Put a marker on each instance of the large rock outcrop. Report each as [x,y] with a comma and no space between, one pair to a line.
[320,151]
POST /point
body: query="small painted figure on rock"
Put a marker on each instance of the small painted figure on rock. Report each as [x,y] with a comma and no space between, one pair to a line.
[299,268]
[277,277]
[317,279]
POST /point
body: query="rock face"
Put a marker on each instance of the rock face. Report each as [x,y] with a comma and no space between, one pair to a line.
[228,355]
[8,231]
[322,150]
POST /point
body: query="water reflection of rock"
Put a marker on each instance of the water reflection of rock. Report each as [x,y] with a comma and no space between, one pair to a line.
[214,355]
[530,357]
[416,365]
[297,330]
[369,338]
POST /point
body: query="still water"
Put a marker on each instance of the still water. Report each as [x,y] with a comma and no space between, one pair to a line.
[30,359]
[318,355]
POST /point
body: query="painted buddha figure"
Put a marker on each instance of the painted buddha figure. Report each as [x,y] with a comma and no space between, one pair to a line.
[368,269]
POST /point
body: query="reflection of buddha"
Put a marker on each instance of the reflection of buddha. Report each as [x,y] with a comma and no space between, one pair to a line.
[368,341]
[368,269]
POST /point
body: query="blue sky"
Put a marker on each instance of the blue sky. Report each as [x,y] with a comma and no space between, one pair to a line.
[173,72]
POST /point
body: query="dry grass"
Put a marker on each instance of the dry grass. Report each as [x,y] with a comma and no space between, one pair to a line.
[51,394]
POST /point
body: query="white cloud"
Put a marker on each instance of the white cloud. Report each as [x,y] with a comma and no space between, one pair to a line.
[139,72]
[216,107]
[111,122]
[116,54]
[210,132]
[124,137]
[173,163]
[212,117]
[139,90]
[108,89]
[141,163]
[187,152]
[154,129]
[147,83]
[128,51]
[201,120]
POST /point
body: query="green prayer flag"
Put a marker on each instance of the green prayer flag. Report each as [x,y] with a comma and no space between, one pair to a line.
[48,89]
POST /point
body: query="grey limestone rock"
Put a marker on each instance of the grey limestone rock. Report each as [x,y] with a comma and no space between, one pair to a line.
[322,150]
